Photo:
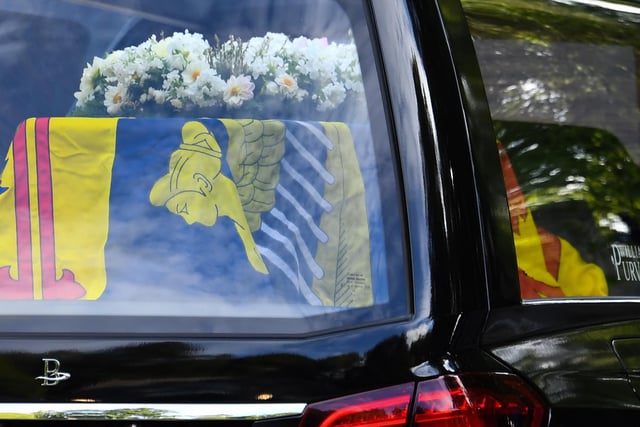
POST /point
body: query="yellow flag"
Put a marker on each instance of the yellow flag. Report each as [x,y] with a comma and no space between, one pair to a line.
[54,209]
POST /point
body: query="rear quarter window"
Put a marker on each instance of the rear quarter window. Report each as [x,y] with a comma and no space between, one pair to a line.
[562,82]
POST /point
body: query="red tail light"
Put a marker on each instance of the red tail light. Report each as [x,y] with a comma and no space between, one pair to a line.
[386,407]
[468,400]
[487,400]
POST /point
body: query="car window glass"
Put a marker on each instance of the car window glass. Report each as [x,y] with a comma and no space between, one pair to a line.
[562,82]
[196,159]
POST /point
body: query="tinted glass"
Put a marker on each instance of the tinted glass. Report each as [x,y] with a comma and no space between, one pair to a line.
[197,159]
[562,81]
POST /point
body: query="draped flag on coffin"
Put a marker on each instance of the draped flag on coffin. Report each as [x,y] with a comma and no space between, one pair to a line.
[177,208]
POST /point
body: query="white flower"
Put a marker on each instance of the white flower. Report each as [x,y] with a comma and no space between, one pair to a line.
[88,84]
[158,48]
[187,43]
[171,80]
[271,88]
[193,70]
[288,86]
[159,96]
[239,89]
[287,83]
[176,62]
[182,71]
[114,98]
[209,89]
[332,96]
[177,104]
[113,60]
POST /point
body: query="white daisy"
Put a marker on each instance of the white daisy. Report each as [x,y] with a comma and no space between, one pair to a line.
[239,89]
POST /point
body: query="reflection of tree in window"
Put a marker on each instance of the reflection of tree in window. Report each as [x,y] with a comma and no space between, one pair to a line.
[580,183]
[557,62]
[571,83]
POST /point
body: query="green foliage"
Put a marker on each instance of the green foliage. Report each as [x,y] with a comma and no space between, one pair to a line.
[556,164]
[544,21]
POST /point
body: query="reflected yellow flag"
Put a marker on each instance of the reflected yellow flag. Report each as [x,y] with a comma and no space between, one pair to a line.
[292,193]
[54,209]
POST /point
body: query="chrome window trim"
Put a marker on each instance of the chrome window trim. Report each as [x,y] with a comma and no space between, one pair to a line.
[148,411]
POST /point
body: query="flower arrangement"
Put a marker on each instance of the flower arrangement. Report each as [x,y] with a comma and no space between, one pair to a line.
[184,73]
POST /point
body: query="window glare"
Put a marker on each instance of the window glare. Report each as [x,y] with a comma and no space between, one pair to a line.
[562,81]
[212,154]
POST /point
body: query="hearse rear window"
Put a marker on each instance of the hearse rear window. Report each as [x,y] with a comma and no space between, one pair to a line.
[562,82]
[207,160]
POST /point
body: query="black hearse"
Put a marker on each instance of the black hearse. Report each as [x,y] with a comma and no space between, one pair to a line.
[319,213]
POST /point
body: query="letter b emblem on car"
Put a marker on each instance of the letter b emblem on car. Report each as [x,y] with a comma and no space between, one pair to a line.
[52,374]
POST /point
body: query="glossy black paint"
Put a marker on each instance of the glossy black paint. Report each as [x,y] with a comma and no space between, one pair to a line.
[564,349]
[171,367]
[167,367]
[462,264]
[577,368]
[478,234]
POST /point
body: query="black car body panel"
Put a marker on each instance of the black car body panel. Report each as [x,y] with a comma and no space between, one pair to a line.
[169,366]
[464,311]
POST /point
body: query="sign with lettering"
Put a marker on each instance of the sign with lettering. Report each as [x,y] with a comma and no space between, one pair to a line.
[626,261]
